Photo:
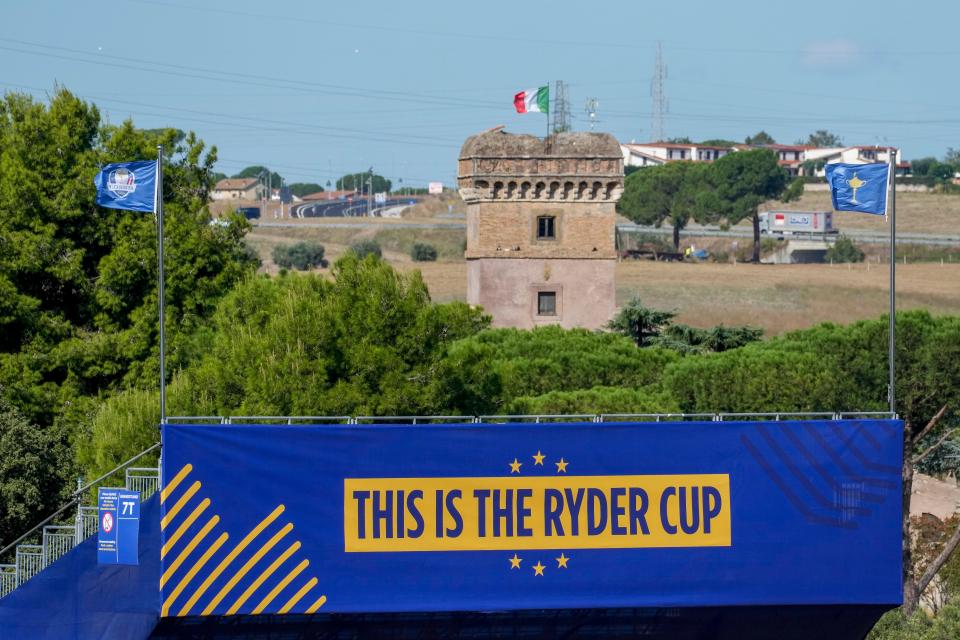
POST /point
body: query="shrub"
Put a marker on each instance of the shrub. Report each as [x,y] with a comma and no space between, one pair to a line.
[300,256]
[364,248]
[423,252]
[843,250]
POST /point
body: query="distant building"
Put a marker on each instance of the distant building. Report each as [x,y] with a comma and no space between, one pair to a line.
[237,189]
[792,157]
[540,227]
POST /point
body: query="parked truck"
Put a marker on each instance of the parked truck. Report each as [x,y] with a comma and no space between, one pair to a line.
[796,222]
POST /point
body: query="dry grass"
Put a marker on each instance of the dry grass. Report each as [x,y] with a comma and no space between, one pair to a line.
[777,298]
[916,212]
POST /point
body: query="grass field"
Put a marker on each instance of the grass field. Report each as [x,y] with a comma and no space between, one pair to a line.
[777,298]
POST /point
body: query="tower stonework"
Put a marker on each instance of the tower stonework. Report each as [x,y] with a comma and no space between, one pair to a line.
[540,227]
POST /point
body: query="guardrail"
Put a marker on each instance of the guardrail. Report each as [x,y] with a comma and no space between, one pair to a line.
[56,535]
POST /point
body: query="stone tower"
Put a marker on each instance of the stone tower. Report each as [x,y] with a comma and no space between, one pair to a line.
[540,227]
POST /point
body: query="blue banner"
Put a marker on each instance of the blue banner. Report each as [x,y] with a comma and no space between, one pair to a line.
[480,517]
[859,187]
[119,526]
[127,185]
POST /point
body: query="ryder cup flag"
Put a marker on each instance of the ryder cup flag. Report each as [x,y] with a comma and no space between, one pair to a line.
[533,100]
[128,185]
[859,187]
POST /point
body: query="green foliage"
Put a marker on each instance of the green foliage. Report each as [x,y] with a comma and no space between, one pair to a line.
[368,341]
[719,142]
[595,400]
[922,166]
[486,373]
[896,626]
[77,282]
[301,189]
[692,340]
[361,181]
[680,140]
[760,138]
[300,256]
[35,468]
[744,181]
[640,323]
[365,248]
[823,138]
[844,250]
[256,171]
[423,252]
[675,191]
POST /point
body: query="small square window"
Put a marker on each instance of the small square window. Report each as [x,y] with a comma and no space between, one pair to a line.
[547,303]
[546,228]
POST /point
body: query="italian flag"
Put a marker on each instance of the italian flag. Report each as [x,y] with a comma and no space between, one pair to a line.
[533,100]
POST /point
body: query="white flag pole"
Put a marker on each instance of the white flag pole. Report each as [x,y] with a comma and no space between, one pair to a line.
[892,211]
[158,209]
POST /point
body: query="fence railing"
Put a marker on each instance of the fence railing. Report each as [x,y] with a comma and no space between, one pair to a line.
[536,418]
[63,530]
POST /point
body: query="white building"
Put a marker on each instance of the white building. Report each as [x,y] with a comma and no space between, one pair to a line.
[237,189]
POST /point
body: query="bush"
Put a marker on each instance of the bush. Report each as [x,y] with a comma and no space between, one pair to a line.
[844,250]
[423,252]
[300,256]
[364,248]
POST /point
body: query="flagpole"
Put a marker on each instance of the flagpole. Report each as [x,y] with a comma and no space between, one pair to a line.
[158,207]
[892,209]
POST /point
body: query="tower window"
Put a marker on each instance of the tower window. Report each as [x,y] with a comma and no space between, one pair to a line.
[546,228]
[547,303]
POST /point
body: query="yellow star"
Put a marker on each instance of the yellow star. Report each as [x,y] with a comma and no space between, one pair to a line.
[538,569]
[561,466]
[515,561]
[538,459]
[562,561]
[515,466]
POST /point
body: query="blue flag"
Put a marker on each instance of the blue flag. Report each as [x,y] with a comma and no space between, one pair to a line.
[127,185]
[859,187]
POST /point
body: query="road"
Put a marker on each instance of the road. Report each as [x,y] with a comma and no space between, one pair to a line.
[700,232]
[343,208]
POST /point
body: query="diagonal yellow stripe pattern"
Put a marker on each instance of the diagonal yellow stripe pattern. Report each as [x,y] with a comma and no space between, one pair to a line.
[197,539]
[246,568]
[172,540]
[291,603]
[193,572]
[316,605]
[262,577]
[287,579]
[257,530]
[175,509]
[173,484]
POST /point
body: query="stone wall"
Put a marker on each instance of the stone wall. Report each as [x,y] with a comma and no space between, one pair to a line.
[508,183]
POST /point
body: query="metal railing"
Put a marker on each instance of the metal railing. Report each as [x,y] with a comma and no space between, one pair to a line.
[535,418]
[56,535]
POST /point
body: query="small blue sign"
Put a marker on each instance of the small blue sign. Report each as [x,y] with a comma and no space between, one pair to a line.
[119,526]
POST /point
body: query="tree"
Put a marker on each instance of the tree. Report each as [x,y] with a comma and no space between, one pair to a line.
[719,142]
[952,157]
[35,465]
[759,139]
[301,189]
[674,191]
[922,166]
[680,140]
[639,322]
[364,248]
[844,250]
[361,182]
[300,256]
[823,138]
[744,181]
[423,252]
[259,171]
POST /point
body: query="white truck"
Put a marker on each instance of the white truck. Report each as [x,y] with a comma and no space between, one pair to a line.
[796,222]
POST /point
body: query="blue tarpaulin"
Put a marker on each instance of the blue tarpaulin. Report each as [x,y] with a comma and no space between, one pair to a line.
[79,599]
[667,530]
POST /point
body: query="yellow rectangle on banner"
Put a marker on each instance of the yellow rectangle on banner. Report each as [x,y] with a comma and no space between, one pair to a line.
[557,512]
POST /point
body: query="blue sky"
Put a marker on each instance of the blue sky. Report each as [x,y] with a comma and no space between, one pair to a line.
[316,90]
